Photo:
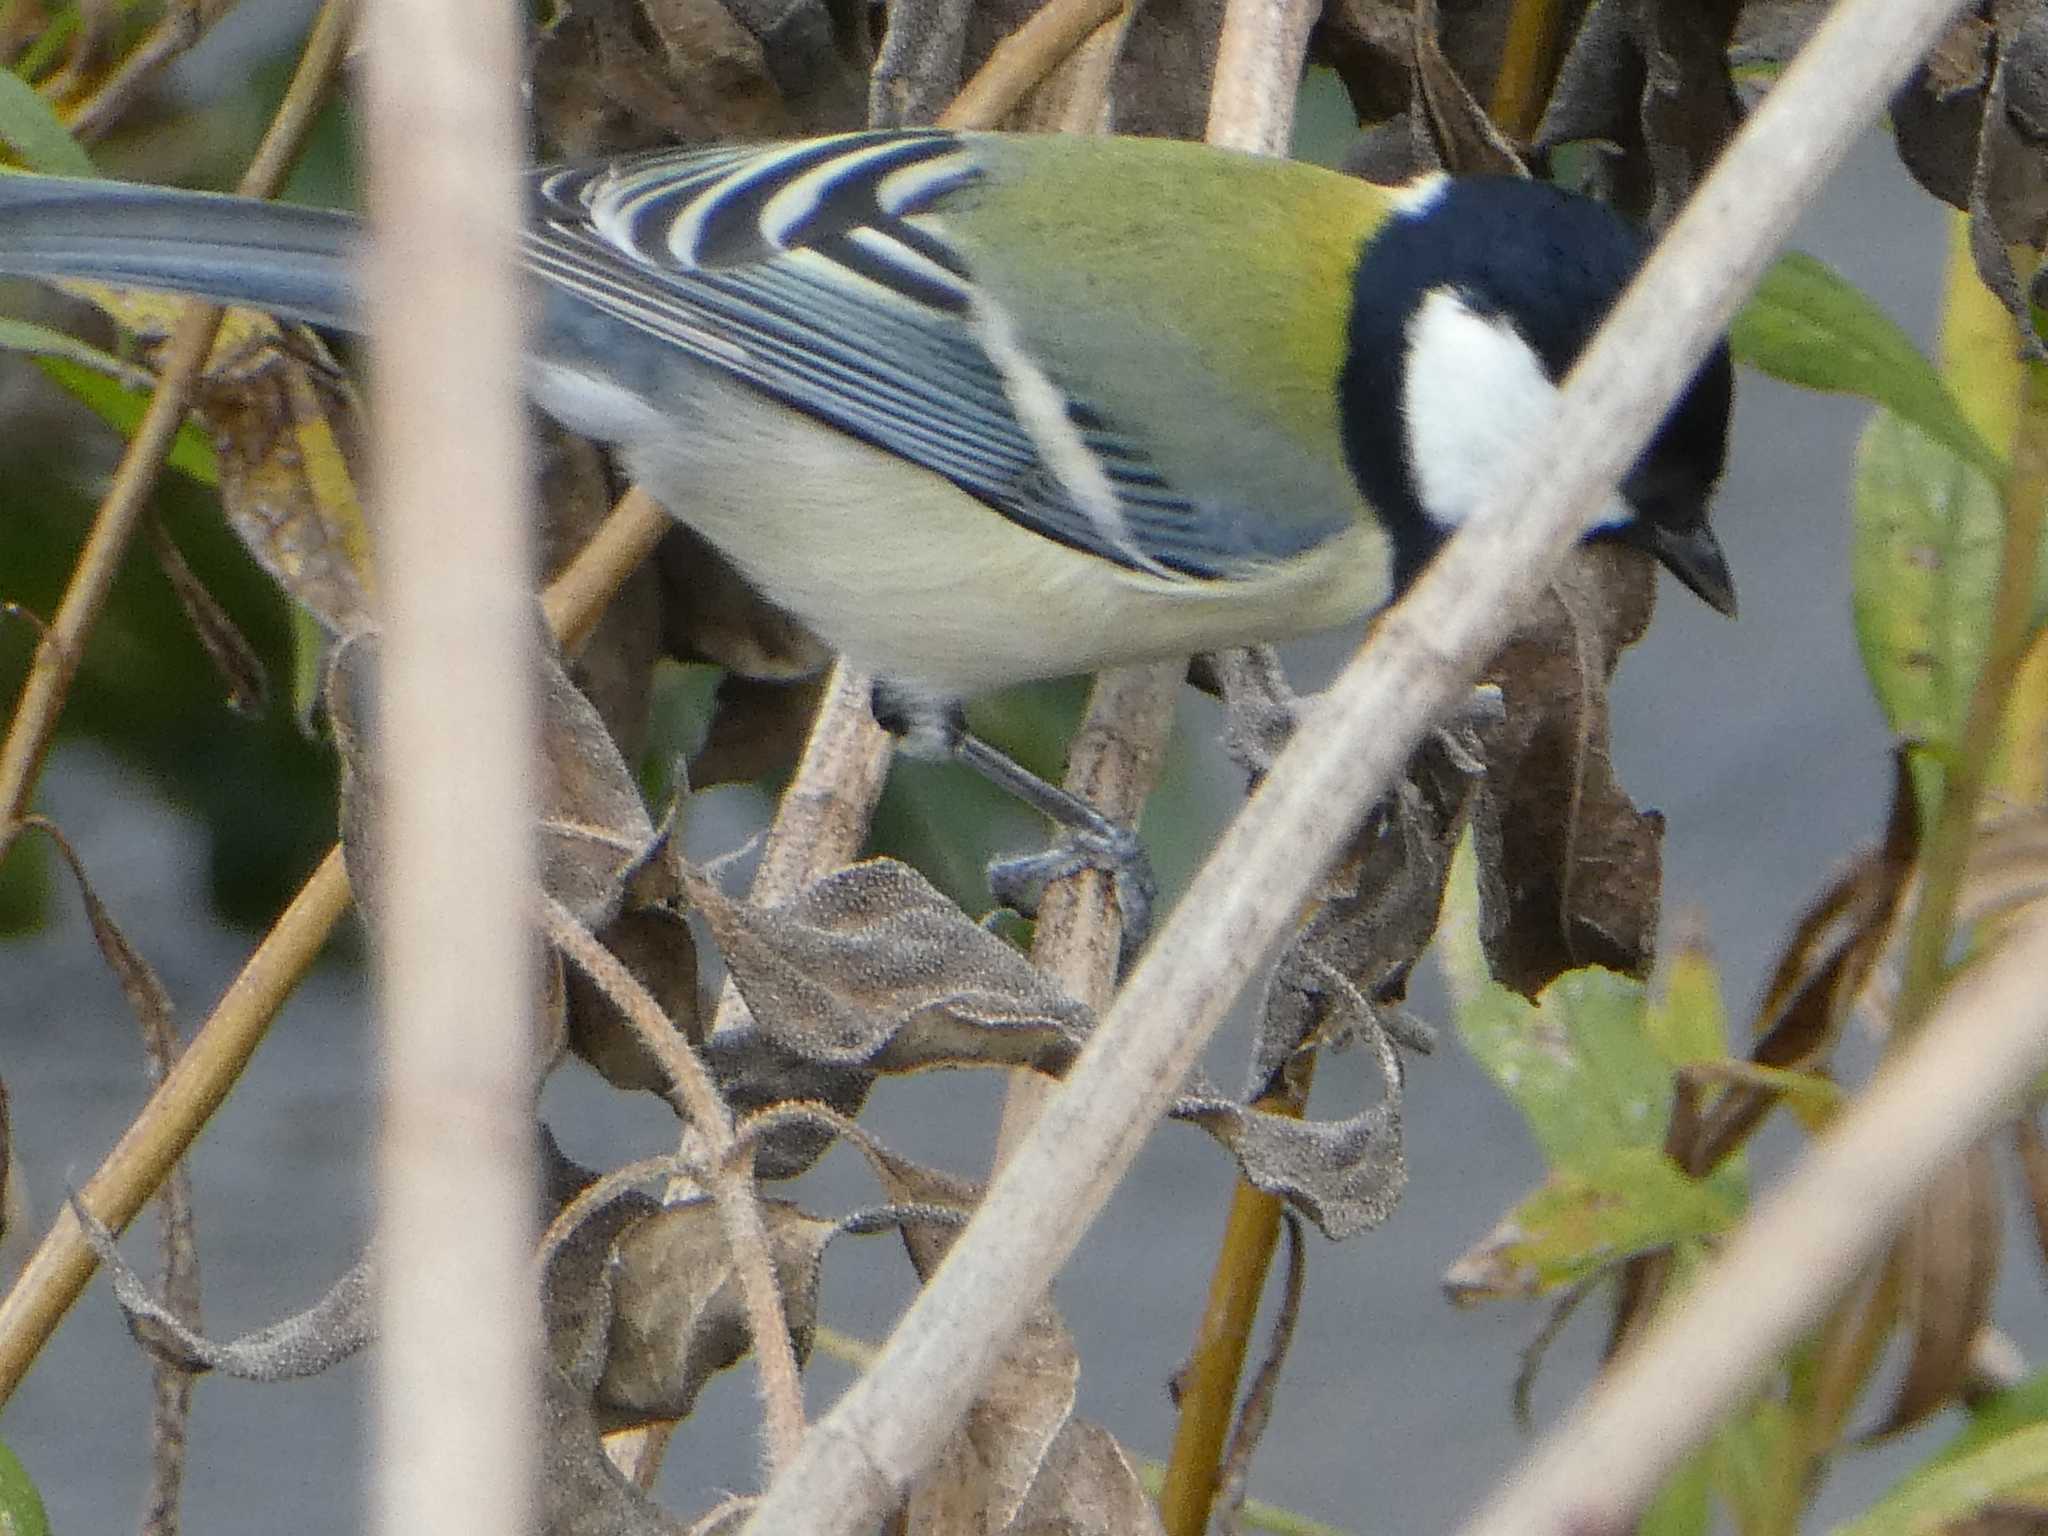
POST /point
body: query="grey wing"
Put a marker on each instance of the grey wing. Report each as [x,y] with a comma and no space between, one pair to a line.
[809,272]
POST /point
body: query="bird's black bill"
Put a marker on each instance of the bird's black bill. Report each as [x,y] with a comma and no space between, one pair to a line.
[1694,557]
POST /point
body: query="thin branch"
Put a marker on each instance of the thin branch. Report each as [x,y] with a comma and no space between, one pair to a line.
[1265,1388]
[456,1415]
[62,647]
[1023,59]
[1529,56]
[720,1164]
[1208,1384]
[886,1427]
[1256,115]
[1113,763]
[1258,73]
[58,1270]
[577,598]
[820,824]
[182,25]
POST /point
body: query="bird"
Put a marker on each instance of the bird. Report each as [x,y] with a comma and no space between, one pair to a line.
[984,408]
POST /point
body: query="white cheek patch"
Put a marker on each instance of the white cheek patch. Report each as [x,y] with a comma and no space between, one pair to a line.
[1472,392]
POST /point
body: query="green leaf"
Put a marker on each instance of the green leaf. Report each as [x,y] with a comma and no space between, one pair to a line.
[1807,325]
[1750,1455]
[192,453]
[2020,1406]
[1936,1495]
[1929,531]
[31,128]
[1689,1022]
[21,1507]
[1577,1062]
[46,341]
[1621,1202]
[1684,1506]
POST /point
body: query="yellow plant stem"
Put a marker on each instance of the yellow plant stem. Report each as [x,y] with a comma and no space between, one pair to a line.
[62,646]
[1971,766]
[195,1087]
[175,1114]
[1528,65]
[1208,1391]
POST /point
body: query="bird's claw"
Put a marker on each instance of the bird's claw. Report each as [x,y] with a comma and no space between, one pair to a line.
[1019,882]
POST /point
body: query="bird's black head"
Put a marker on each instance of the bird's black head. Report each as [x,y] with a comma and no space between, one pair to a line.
[1469,306]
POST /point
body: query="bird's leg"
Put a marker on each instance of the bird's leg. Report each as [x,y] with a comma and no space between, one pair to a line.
[932,728]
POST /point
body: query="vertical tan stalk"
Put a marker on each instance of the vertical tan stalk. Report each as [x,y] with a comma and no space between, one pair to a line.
[455,1415]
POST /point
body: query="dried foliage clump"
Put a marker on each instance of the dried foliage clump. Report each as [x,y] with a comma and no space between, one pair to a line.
[1508,843]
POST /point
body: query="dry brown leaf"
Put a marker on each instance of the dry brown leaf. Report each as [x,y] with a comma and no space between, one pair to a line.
[613,75]
[1940,117]
[1947,1260]
[1466,141]
[921,62]
[1570,870]
[287,430]
[677,1315]
[233,657]
[1344,1175]
[2033,1155]
[597,842]
[582,1492]
[614,664]
[756,729]
[1816,982]
[1086,1486]
[871,967]
[335,1327]
[657,947]
[987,1468]
[1369,43]
[1689,110]
[1851,1341]
[710,613]
[1163,75]
[2001,1519]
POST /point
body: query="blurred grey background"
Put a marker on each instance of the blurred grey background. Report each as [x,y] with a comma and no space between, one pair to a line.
[1759,740]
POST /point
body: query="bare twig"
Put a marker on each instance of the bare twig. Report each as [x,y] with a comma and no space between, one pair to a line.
[458,1314]
[1259,1397]
[576,599]
[1023,59]
[1258,73]
[887,1425]
[1113,763]
[720,1164]
[184,22]
[1256,115]
[62,646]
[57,1271]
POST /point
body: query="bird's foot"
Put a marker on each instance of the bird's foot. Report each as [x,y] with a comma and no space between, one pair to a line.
[1019,882]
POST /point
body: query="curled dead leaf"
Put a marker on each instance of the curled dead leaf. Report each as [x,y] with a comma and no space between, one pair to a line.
[1947,1259]
[335,1327]
[677,1315]
[872,967]
[1570,870]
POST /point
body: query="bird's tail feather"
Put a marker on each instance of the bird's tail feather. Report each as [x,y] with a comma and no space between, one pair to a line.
[295,262]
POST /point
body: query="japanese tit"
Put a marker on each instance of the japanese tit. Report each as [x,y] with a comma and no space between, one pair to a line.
[982,408]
